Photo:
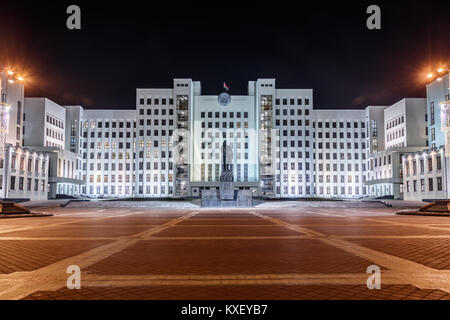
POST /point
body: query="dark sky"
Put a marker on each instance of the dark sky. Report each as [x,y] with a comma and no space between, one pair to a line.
[315,44]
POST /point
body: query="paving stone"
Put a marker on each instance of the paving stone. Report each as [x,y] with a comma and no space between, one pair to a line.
[328,292]
[233,242]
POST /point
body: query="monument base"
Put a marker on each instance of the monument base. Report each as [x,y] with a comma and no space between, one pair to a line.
[436,208]
[241,199]
[12,208]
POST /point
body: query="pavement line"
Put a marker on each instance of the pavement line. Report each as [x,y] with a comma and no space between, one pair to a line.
[427,236]
[330,215]
[394,263]
[230,237]
[403,224]
[43,226]
[212,280]
[225,225]
[227,238]
[19,285]
[57,238]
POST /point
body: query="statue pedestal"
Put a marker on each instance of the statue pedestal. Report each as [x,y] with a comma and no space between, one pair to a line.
[226,188]
[227,197]
[209,198]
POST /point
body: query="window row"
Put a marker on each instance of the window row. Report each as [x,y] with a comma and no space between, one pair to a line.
[424,185]
[106,135]
[107,124]
[342,156]
[395,134]
[300,102]
[31,184]
[395,122]
[333,135]
[299,122]
[54,121]
[342,179]
[413,166]
[350,191]
[156,101]
[54,134]
[29,164]
[284,112]
[230,125]
[224,114]
[326,125]
[342,145]
[155,112]
[350,167]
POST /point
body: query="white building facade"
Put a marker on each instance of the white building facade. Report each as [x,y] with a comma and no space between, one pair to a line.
[426,172]
[23,171]
[171,146]
[340,153]
[108,153]
[393,131]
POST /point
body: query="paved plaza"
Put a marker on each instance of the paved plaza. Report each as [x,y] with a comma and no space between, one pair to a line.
[279,250]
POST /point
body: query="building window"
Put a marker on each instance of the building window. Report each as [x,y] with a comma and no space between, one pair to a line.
[19,111]
[13,183]
[432,113]
[439,183]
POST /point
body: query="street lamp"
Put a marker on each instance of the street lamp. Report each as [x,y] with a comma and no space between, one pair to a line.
[438,75]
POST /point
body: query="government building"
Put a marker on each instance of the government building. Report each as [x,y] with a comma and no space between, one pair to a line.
[170,145]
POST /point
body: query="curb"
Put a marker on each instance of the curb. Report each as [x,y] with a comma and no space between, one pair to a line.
[25,215]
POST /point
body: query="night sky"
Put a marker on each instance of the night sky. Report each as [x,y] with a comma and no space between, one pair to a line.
[127,45]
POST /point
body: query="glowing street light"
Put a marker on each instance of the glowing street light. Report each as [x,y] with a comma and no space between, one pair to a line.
[437,75]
